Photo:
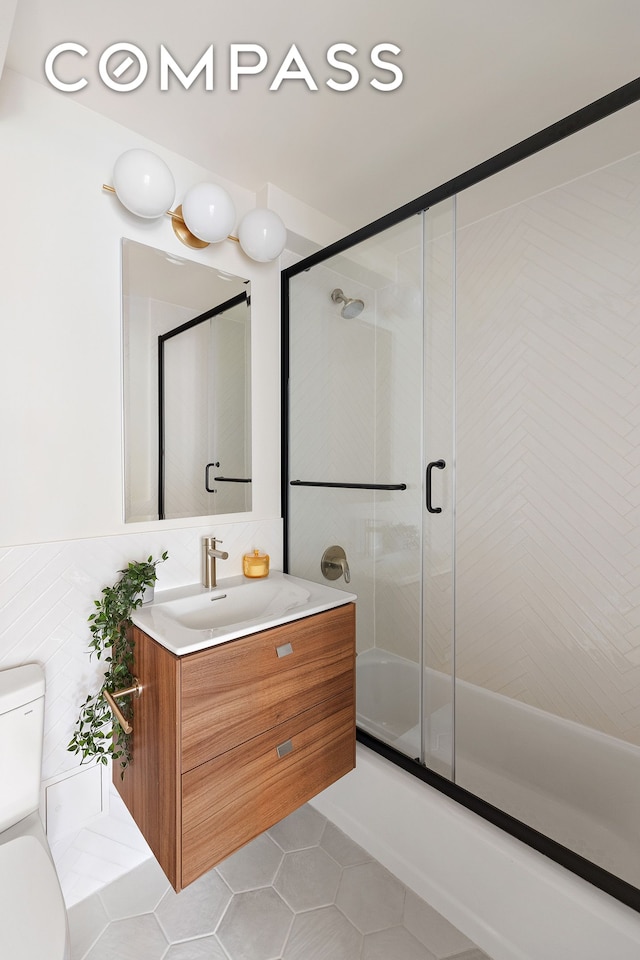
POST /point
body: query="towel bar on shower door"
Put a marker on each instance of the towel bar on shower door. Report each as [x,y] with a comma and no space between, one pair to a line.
[349,486]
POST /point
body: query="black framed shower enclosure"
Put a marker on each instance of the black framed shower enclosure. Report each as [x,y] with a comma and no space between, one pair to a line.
[469,437]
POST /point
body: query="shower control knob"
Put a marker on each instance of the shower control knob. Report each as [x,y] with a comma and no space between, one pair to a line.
[334,564]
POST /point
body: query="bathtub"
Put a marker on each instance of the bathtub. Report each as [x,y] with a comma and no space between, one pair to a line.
[387,697]
[388,706]
[512,901]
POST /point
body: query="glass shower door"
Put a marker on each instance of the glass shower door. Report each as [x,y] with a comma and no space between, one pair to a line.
[370,447]
[356,459]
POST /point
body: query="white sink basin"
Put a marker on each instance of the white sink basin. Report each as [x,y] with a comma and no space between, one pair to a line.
[192,618]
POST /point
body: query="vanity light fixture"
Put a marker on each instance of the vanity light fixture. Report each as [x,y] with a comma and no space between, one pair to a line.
[144,185]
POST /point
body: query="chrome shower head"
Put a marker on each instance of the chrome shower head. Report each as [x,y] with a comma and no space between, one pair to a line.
[352,307]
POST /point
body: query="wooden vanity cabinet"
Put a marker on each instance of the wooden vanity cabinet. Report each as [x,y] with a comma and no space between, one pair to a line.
[229,740]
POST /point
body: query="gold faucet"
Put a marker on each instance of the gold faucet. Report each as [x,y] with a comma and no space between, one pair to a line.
[209,556]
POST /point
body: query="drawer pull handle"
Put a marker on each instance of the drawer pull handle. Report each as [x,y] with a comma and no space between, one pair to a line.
[284,650]
[284,748]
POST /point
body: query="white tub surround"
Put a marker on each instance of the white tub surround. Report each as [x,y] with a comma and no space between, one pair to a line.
[512,901]
[550,773]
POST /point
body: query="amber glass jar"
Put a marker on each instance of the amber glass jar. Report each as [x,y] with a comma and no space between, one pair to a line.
[255,564]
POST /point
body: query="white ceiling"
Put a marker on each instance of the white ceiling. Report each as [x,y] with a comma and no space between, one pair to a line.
[479,75]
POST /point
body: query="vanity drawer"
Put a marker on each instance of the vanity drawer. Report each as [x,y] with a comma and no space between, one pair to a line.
[233,798]
[233,692]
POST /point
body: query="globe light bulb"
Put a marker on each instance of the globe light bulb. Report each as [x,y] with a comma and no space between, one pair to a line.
[208,211]
[143,183]
[262,234]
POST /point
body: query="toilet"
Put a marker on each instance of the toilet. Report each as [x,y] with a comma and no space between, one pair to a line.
[33,919]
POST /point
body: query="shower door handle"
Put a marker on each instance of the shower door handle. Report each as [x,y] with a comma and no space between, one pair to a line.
[208,488]
[439,465]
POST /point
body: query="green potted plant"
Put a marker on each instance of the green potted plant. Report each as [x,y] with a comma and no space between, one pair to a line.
[98,734]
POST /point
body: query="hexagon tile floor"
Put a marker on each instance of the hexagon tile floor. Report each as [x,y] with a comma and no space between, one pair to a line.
[301,891]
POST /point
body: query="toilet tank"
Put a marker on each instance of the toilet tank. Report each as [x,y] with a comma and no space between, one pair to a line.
[21,735]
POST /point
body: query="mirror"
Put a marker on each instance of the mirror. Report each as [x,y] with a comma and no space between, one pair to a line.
[187,387]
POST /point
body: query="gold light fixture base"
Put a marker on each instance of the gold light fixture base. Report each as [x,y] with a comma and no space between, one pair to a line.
[180,228]
[182,231]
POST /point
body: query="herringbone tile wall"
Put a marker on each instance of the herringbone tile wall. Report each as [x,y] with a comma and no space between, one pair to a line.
[548,451]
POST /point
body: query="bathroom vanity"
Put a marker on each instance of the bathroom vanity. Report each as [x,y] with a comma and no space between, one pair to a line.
[231,738]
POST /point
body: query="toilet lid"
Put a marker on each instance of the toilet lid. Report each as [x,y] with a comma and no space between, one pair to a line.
[32,913]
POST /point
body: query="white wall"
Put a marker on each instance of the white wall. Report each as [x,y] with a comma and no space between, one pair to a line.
[60,358]
[7,14]
[62,536]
